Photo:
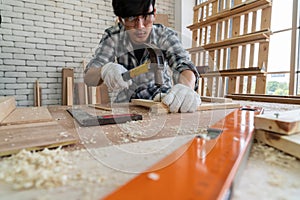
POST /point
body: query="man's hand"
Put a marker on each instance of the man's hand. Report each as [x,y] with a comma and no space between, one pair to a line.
[111,74]
[182,98]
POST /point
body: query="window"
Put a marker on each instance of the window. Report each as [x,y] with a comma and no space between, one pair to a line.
[284,45]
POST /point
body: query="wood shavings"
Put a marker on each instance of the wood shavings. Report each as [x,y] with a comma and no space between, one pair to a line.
[272,156]
[44,169]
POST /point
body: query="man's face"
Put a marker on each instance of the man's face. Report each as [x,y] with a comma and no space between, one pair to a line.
[139,27]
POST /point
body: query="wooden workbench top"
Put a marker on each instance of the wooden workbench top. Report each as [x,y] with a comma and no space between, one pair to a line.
[263,178]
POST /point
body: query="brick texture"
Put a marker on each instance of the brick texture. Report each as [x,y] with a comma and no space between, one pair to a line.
[40,37]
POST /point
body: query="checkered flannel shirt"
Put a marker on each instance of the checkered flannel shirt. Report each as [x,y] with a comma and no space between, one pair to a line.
[115,46]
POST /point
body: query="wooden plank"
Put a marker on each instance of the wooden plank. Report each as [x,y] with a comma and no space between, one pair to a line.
[279,122]
[158,107]
[102,96]
[69,91]
[100,107]
[27,115]
[80,94]
[37,94]
[234,11]
[66,72]
[215,99]
[33,137]
[289,144]
[233,42]
[265,98]
[7,105]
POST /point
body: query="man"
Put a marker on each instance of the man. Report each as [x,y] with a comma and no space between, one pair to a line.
[122,48]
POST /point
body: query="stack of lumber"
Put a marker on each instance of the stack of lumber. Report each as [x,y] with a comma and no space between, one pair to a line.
[30,128]
[280,130]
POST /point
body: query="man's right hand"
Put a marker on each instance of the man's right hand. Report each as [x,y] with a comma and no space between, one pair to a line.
[111,74]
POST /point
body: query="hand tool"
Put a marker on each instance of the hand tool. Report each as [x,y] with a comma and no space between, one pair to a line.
[155,64]
[207,167]
[86,119]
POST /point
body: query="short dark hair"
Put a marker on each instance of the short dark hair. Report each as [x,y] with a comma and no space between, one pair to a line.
[128,8]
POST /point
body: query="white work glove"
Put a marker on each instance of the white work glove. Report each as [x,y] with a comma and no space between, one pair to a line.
[182,98]
[158,97]
[111,74]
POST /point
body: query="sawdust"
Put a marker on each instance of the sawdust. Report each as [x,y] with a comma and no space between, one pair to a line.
[272,156]
[45,170]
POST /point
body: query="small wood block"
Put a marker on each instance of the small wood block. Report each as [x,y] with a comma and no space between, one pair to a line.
[33,137]
[279,122]
[28,115]
[287,143]
[7,105]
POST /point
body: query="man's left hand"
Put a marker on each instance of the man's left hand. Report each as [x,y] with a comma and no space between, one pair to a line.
[182,98]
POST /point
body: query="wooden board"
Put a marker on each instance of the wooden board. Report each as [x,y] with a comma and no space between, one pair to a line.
[27,115]
[7,105]
[158,107]
[279,122]
[33,137]
[215,99]
[287,143]
[66,72]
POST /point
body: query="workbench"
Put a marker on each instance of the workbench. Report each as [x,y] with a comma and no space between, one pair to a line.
[115,144]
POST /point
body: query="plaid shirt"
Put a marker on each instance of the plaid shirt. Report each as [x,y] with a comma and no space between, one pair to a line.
[115,45]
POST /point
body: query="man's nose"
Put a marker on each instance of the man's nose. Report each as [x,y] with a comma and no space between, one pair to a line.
[140,23]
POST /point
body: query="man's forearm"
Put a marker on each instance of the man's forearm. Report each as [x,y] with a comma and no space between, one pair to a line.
[93,76]
[187,77]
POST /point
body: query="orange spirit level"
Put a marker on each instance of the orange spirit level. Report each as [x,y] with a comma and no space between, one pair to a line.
[198,174]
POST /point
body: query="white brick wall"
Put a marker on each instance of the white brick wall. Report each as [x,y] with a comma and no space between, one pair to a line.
[40,37]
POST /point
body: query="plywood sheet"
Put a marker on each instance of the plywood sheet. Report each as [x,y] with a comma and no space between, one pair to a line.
[287,143]
[27,115]
[7,105]
[287,122]
[33,137]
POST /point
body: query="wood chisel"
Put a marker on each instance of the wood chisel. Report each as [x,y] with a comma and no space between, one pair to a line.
[86,119]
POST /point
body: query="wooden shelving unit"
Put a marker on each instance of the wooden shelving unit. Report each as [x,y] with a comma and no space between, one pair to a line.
[232,39]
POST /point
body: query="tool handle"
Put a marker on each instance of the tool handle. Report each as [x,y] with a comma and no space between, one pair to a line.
[126,76]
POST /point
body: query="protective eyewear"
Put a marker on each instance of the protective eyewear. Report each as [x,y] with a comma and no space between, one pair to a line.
[132,21]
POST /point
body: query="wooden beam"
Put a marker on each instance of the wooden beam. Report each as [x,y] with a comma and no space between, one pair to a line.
[235,72]
[261,36]
[288,144]
[236,10]
[286,123]
[265,98]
